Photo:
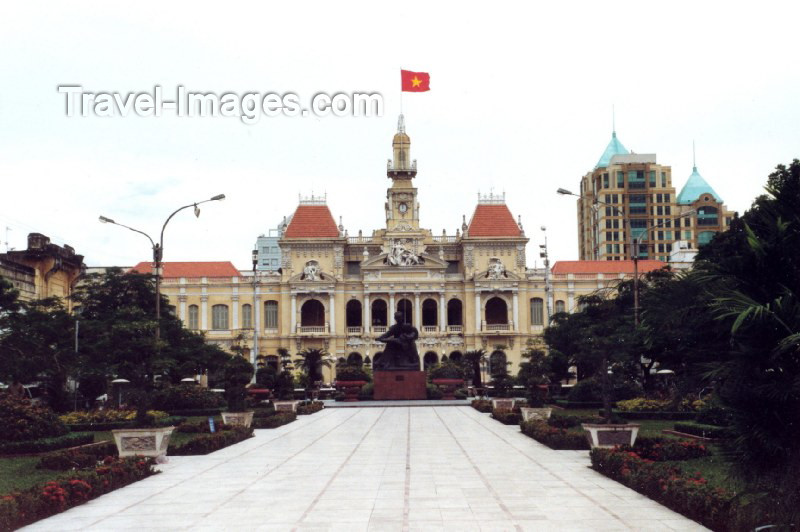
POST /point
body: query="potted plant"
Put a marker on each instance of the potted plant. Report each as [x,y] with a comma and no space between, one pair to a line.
[350,379]
[448,377]
[238,373]
[533,375]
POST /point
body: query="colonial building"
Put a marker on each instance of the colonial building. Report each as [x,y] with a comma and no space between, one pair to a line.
[631,188]
[470,290]
[43,270]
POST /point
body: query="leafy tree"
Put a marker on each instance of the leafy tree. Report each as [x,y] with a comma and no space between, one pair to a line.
[238,373]
[311,362]
[472,365]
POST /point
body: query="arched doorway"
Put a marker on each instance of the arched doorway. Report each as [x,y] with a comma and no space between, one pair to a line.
[379,313]
[312,314]
[353,313]
[497,362]
[354,359]
[430,313]
[456,357]
[496,312]
[454,312]
[404,307]
[430,359]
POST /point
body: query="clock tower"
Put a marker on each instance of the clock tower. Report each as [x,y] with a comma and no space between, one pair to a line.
[402,209]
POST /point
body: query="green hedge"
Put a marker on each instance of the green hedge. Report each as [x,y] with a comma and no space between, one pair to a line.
[25,507]
[666,450]
[43,445]
[704,431]
[507,418]
[654,415]
[115,425]
[193,412]
[482,405]
[577,405]
[311,407]
[274,421]
[208,443]
[80,458]
[554,437]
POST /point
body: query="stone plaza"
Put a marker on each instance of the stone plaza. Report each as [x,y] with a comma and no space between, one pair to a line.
[377,468]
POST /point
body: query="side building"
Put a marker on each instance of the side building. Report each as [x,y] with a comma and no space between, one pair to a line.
[463,291]
[630,188]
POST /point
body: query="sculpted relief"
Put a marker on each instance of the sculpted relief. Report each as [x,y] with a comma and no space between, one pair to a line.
[401,255]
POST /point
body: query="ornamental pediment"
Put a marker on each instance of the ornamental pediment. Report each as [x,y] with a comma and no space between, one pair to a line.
[386,261]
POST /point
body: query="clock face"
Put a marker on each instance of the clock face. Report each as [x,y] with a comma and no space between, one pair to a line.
[402,208]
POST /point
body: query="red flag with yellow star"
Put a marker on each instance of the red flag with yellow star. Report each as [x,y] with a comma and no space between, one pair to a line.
[414,81]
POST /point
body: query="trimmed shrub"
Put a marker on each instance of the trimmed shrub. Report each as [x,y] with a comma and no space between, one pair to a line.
[482,405]
[507,417]
[186,397]
[367,392]
[655,415]
[704,431]
[193,412]
[715,414]
[665,450]
[309,407]
[567,422]
[43,445]
[273,421]
[553,437]
[433,392]
[689,495]
[447,370]
[105,416]
[80,458]
[25,507]
[208,443]
[461,393]
[351,373]
[21,421]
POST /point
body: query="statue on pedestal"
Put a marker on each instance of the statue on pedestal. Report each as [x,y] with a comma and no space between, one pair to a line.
[401,348]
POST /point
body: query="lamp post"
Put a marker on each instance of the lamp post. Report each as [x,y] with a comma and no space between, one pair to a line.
[254,316]
[158,252]
[548,289]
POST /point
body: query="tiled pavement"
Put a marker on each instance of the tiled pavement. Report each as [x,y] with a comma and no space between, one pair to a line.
[449,468]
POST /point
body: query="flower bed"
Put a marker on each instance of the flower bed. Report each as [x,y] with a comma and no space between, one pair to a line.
[507,417]
[655,414]
[81,458]
[664,450]
[704,431]
[24,507]
[208,443]
[105,416]
[43,445]
[482,405]
[310,407]
[23,422]
[554,437]
[689,495]
[274,421]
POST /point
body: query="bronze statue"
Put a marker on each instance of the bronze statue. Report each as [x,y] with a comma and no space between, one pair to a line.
[401,348]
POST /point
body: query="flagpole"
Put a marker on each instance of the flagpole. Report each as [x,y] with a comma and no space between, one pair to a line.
[401,90]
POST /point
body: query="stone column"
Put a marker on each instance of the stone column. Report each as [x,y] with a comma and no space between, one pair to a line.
[391,310]
[293,315]
[332,311]
[417,317]
[235,313]
[515,310]
[182,310]
[442,314]
[366,318]
[477,312]
[204,311]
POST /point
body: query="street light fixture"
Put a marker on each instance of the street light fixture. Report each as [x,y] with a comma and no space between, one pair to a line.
[158,251]
[255,322]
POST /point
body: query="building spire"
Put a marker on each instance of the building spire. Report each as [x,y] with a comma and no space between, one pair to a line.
[401,124]
[694,158]
[613,121]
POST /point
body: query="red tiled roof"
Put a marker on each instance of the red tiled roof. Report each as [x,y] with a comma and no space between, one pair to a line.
[493,220]
[312,221]
[190,269]
[605,266]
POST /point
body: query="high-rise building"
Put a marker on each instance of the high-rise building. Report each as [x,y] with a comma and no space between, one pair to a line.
[268,250]
[632,189]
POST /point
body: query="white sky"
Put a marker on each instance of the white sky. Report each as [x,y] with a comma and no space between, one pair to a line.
[521,101]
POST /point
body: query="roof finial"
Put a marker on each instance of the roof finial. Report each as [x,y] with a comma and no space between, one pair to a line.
[401,124]
[694,158]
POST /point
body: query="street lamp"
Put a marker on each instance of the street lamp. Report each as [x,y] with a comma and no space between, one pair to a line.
[158,252]
[547,286]
[254,316]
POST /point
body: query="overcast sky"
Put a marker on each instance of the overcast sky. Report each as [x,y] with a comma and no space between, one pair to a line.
[520,101]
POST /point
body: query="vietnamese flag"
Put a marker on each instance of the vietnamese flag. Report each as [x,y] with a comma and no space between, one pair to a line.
[414,81]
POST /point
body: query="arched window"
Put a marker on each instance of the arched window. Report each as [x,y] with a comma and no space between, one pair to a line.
[312,314]
[404,307]
[354,359]
[247,316]
[219,317]
[429,313]
[194,317]
[430,359]
[353,313]
[454,314]
[707,216]
[456,356]
[271,315]
[379,313]
[560,306]
[496,311]
[537,311]
[497,362]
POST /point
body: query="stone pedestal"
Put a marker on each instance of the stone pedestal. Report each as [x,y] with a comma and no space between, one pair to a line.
[399,384]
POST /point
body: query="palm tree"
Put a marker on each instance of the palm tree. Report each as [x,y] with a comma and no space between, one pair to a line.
[472,365]
[311,362]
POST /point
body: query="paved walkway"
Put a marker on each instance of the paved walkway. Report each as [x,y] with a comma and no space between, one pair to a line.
[377,469]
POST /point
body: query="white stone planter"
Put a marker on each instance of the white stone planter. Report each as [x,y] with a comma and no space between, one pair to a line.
[529,413]
[238,419]
[503,404]
[608,436]
[286,406]
[142,442]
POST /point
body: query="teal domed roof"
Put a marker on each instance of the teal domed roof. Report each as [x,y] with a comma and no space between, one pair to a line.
[695,187]
[614,147]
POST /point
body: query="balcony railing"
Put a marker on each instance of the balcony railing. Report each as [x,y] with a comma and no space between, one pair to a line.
[312,329]
[430,328]
[445,239]
[380,329]
[498,326]
[455,328]
[353,331]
